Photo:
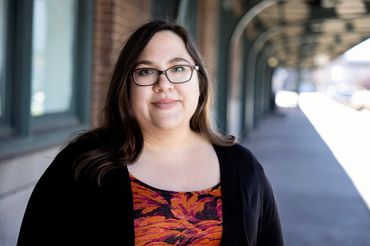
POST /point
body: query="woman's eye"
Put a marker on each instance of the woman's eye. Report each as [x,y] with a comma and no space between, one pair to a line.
[145,72]
[178,69]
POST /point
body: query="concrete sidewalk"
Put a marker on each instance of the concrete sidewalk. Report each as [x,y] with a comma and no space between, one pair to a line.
[318,203]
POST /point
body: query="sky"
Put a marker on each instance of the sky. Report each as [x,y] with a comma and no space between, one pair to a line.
[359,53]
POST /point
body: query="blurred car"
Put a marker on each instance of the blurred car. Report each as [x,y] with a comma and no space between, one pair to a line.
[360,99]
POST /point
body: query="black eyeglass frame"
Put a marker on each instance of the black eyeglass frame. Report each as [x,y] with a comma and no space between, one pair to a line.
[192,67]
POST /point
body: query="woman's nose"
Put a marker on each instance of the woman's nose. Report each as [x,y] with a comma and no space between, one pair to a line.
[163,84]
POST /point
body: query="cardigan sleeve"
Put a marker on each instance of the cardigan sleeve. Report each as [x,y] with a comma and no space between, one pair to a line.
[261,200]
[269,231]
[61,209]
[48,215]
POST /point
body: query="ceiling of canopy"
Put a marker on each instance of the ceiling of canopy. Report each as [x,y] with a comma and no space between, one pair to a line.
[310,33]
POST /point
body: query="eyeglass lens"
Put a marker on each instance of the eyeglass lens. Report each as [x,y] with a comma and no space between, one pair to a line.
[175,74]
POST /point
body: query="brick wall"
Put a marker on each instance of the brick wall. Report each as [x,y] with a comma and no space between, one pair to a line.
[207,34]
[114,20]
[207,26]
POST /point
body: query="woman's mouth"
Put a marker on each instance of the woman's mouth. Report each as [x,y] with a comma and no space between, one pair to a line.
[165,103]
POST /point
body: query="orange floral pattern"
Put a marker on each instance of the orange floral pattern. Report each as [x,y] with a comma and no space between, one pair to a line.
[176,218]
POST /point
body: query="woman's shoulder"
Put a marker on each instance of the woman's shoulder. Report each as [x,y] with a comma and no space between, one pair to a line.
[84,142]
[242,158]
[75,148]
[239,152]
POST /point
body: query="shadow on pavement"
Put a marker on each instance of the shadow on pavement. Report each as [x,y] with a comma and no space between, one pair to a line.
[318,203]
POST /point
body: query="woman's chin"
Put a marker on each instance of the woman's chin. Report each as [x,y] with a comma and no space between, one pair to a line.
[168,125]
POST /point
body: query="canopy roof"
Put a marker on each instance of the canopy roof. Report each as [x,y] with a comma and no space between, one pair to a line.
[305,34]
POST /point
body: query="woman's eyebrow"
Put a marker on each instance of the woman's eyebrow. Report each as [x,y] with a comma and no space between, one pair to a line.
[144,62]
[173,60]
[179,59]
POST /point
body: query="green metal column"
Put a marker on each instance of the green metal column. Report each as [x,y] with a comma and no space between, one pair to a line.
[187,15]
[165,10]
[246,112]
[299,79]
[264,85]
[258,90]
[270,97]
[225,31]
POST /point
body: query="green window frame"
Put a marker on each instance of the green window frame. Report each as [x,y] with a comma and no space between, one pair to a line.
[20,132]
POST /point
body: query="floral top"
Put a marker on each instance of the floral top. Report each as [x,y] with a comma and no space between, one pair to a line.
[164,217]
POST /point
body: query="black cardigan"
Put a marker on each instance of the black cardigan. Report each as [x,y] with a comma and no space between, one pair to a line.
[65,211]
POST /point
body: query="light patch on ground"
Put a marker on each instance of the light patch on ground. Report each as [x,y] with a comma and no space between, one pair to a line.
[347,133]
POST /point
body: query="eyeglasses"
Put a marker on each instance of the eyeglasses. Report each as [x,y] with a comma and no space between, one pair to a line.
[176,74]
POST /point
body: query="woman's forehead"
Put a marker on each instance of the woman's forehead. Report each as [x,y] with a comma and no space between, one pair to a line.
[165,46]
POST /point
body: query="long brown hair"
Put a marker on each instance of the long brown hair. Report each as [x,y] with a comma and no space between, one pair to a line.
[120,129]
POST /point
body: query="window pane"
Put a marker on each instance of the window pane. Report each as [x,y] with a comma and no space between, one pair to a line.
[2,57]
[52,57]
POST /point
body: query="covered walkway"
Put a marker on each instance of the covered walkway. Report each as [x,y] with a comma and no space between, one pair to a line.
[318,202]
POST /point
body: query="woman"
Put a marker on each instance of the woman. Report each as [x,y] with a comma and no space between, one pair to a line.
[154,173]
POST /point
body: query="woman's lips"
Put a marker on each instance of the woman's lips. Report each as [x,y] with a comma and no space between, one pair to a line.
[165,103]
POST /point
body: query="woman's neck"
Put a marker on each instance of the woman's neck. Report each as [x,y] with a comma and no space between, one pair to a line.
[160,141]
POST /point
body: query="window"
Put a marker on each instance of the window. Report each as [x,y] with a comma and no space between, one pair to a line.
[52,56]
[45,72]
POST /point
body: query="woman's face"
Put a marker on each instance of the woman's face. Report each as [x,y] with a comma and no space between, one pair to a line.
[164,105]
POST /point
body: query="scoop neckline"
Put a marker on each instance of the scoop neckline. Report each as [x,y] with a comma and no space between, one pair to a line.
[204,191]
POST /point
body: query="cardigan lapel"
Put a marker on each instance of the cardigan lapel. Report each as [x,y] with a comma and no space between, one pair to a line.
[120,205]
[233,226]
